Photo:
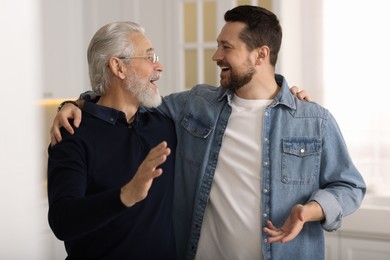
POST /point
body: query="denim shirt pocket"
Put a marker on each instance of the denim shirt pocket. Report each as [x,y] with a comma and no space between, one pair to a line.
[195,135]
[196,126]
[300,160]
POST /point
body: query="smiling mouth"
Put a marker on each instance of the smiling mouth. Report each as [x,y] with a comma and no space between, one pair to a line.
[155,78]
[222,67]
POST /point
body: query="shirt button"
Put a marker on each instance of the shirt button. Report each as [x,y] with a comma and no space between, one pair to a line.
[266,139]
[265,163]
[265,240]
[302,150]
[265,215]
[265,190]
[266,113]
[112,119]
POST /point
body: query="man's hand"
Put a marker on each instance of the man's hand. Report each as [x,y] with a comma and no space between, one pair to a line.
[299,215]
[290,229]
[68,111]
[137,189]
[301,94]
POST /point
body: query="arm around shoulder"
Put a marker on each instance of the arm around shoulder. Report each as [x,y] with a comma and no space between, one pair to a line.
[68,109]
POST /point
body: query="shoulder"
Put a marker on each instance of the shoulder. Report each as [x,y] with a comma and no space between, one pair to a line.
[87,126]
[207,93]
[155,115]
[204,90]
[199,95]
[310,109]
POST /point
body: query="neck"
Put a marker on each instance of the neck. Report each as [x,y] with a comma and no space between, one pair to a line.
[120,100]
[260,87]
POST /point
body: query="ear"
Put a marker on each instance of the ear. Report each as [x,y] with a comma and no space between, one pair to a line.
[263,53]
[117,67]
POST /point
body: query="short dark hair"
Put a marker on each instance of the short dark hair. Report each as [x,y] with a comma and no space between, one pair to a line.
[262,28]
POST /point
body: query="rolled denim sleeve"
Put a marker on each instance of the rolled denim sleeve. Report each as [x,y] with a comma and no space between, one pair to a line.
[331,208]
[342,187]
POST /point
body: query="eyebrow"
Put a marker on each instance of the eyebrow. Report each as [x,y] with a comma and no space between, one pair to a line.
[150,49]
[224,42]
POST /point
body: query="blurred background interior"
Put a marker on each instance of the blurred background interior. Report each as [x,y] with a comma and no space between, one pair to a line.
[337,50]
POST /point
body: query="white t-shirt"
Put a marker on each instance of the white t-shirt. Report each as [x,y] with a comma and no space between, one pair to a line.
[231,227]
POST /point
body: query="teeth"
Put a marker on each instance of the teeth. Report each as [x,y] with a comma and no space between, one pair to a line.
[155,77]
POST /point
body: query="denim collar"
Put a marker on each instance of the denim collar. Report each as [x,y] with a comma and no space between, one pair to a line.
[284,96]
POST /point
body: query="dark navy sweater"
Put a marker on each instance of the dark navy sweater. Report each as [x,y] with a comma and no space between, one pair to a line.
[85,173]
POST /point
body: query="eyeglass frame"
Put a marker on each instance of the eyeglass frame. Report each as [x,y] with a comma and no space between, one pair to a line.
[154,58]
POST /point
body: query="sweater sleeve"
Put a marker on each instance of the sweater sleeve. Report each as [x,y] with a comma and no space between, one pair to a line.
[73,213]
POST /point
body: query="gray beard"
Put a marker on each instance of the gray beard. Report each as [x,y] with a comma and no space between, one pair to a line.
[145,96]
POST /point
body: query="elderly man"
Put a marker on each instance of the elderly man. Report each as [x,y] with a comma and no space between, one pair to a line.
[110,192]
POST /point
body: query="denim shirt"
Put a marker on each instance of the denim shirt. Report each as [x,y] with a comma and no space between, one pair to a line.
[304,158]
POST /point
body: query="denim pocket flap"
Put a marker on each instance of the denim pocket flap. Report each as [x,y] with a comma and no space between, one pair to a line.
[302,146]
[196,126]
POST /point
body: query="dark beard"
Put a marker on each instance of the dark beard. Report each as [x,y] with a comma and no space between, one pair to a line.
[237,81]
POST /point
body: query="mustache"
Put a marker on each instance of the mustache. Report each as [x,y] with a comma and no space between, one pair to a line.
[220,64]
[156,76]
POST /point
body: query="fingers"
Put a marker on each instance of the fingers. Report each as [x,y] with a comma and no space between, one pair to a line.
[294,90]
[67,112]
[159,150]
[55,135]
[284,234]
[271,229]
[149,167]
[67,126]
[156,157]
[77,118]
[275,234]
[53,138]
[137,189]
[303,95]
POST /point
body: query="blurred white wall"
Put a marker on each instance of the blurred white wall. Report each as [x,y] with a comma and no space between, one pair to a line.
[21,194]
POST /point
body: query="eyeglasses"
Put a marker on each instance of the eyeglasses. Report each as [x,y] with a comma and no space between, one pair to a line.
[153,58]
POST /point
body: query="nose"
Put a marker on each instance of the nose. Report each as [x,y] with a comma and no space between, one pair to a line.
[158,66]
[217,55]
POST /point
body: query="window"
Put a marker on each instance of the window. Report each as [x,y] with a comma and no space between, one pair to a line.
[200,32]
[356,55]
[202,20]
